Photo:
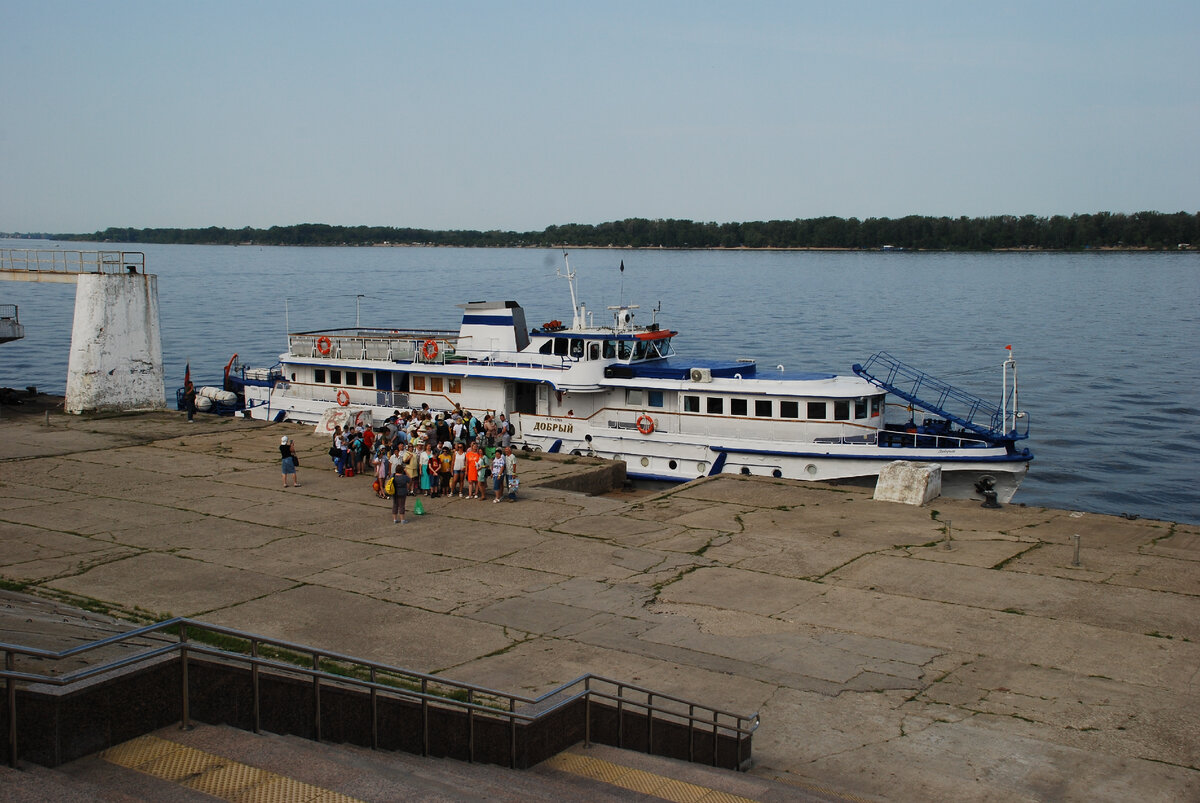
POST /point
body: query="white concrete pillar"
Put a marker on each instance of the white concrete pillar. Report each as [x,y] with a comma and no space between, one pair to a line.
[116,346]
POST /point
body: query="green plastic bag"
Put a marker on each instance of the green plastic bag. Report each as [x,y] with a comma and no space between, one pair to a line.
[418,508]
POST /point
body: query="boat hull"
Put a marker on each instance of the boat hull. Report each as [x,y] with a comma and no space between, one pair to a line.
[678,458]
[859,464]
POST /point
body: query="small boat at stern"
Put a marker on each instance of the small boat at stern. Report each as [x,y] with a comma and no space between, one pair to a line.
[620,390]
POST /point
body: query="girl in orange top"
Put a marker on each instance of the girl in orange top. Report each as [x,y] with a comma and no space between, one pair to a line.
[472,473]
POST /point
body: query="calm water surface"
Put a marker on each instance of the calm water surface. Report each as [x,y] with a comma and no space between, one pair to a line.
[1106,343]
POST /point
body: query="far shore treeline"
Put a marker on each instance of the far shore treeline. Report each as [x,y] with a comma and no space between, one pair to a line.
[1103,230]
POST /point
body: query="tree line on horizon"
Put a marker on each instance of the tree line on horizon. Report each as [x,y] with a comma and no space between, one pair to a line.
[1139,230]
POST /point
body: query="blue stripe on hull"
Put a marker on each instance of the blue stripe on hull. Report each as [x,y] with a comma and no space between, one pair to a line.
[931,457]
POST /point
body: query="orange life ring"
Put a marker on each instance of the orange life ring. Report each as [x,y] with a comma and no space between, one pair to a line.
[645,424]
[430,349]
[343,398]
[324,344]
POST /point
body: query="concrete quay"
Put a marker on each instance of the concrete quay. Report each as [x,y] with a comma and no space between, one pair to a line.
[888,661]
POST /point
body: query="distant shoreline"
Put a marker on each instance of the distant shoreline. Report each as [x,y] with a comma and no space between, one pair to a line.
[1104,231]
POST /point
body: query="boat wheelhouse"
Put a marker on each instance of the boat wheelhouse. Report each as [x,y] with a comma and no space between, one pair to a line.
[621,391]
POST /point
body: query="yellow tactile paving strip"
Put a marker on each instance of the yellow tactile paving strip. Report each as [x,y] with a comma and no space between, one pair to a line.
[215,775]
[646,783]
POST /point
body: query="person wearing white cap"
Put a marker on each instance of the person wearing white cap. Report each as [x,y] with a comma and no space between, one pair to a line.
[287,450]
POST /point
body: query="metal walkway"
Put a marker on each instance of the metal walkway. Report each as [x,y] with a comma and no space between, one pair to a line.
[953,404]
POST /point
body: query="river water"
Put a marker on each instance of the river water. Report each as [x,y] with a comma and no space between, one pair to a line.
[1106,343]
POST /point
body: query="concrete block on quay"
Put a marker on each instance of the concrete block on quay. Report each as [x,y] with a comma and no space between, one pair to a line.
[909,483]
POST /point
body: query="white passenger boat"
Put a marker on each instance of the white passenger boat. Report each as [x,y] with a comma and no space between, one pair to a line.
[621,391]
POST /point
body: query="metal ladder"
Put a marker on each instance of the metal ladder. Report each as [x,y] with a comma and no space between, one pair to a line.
[917,388]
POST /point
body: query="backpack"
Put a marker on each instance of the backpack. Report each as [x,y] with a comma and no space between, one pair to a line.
[511,429]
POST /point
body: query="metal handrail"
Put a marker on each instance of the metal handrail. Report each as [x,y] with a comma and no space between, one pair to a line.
[60,261]
[505,708]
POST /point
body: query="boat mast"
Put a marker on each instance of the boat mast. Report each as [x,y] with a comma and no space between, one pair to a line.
[576,308]
[1009,363]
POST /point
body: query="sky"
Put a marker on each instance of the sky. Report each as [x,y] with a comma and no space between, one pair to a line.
[521,115]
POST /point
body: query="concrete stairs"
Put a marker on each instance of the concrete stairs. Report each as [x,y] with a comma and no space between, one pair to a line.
[235,765]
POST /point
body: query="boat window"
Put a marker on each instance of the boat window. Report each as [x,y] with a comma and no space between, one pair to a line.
[841,410]
[816,409]
[624,349]
[368,379]
[762,408]
[633,397]
[547,347]
[789,409]
[418,383]
[352,377]
[610,349]
[454,385]
[335,377]
[435,384]
[593,351]
[319,375]
[560,346]
[860,408]
[738,407]
[691,404]
[876,405]
[716,404]
[577,349]
[654,398]
[639,350]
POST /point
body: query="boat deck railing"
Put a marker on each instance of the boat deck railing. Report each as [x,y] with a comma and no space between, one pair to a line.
[375,344]
[431,347]
[183,637]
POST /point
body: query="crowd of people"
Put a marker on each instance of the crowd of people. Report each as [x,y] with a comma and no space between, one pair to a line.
[422,453]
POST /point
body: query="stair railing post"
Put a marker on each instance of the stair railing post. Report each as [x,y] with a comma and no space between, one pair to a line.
[254,683]
[691,732]
[11,689]
[374,710]
[186,721]
[424,716]
[650,723]
[715,738]
[621,716]
[512,731]
[587,712]
[316,665]
[470,726]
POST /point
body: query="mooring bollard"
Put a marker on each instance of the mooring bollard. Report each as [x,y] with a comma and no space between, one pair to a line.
[1075,562]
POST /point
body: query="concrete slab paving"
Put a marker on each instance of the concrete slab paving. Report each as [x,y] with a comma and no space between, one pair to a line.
[174,585]
[883,665]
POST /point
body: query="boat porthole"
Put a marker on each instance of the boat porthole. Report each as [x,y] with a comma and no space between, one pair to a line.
[702,467]
[810,468]
[673,465]
[645,461]
[617,457]
[576,452]
[746,470]
[776,473]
